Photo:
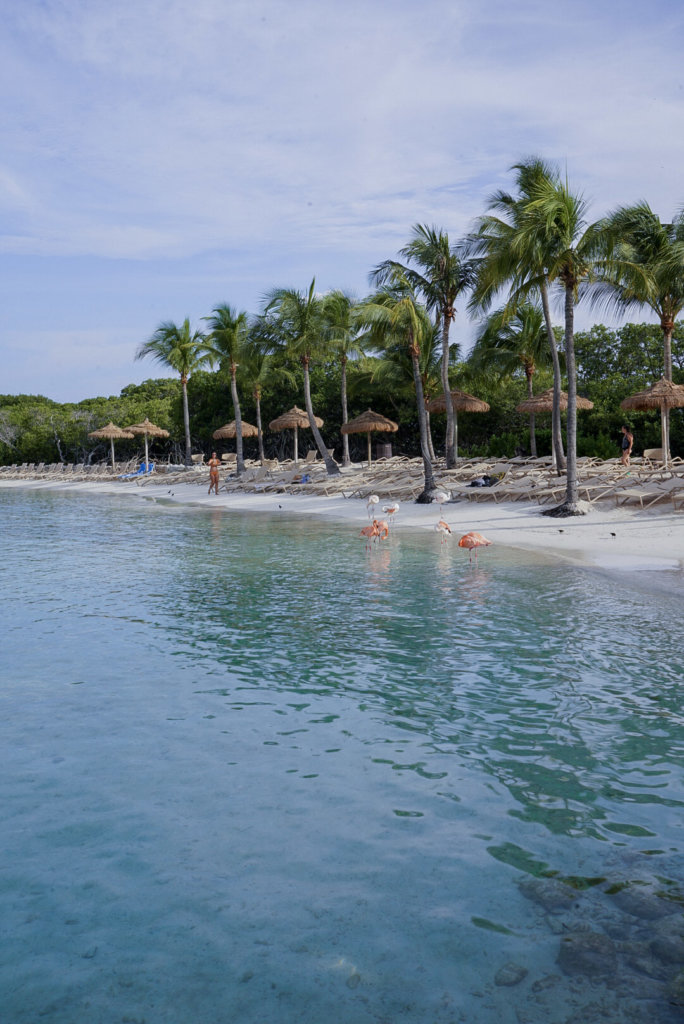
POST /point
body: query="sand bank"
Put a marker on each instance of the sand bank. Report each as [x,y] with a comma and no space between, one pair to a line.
[622,539]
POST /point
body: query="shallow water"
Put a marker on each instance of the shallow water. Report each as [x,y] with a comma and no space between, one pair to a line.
[256,774]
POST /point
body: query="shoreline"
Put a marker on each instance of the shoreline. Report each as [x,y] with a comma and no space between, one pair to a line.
[609,538]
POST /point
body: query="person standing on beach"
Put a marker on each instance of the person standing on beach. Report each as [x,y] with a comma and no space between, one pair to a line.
[627,442]
[214,464]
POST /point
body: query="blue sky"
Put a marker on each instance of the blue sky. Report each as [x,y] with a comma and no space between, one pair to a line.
[159,158]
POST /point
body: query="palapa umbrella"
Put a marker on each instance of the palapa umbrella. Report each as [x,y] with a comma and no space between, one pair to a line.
[461,402]
[367,422]
[111,433]
[230,430]
[543,402]
[149,430]
[293,420]
[661,395]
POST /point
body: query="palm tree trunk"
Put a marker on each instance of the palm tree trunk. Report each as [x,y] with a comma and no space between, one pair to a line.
[530,394]
[239,459]
[332,468]
[425,497]
[186,421]
[346,461]
[556,433]
[260,435]
[667,326]
[570,506]
[429,434]
[448,404]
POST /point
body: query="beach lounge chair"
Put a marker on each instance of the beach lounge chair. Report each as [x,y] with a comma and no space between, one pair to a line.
[145,467]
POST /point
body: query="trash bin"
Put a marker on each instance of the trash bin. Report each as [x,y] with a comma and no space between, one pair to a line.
[383,451]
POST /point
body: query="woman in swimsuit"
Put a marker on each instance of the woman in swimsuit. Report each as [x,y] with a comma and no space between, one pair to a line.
[213,464]
[627,442]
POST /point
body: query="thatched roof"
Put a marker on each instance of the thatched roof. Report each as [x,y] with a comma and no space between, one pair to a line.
[110,433]
[229,430]
[147,428]
[367,422]
[295,417]
[543,402]
[461,401]
[661,394]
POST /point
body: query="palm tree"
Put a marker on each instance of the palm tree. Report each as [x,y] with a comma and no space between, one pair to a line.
[444,272]
[646,268]
[258,368]
[181,350]
[506,341]
[393,373]
[298,320]
[225,345]
[393,316]
[341,331]
[505,261]
[554,218]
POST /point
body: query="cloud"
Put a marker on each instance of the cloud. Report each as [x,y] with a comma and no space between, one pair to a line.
[287,136]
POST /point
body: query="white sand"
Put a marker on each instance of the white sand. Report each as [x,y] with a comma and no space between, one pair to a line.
[624,539]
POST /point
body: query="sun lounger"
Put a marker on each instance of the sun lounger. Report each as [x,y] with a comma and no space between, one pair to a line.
[145,467]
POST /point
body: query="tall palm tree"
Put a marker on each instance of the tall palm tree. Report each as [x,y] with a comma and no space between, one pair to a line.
[393,316]
[393,373]
[555,218]
[505,262]
[508,341]
[646,268]
[225,345]
[341,330]
[258,368]
[439,272]
[182,350]
[298,319]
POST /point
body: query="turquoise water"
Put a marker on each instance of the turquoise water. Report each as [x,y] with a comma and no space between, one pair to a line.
[253,773]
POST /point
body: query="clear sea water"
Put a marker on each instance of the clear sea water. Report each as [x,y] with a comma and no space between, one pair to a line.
[254,774]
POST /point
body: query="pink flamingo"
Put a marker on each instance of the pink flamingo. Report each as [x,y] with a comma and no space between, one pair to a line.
[378,530]
[473,541]
[370,505]
[444,529]
[391,510]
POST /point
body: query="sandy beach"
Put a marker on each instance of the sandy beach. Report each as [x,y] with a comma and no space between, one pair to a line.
[616,539]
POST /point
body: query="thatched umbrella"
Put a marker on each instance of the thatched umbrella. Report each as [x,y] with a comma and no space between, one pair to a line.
[293,420]
[111,433]
[367,422]
[461,402]
[543,402]
[149,430]
[662,395]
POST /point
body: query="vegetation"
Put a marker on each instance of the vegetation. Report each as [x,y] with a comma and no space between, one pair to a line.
[392,350]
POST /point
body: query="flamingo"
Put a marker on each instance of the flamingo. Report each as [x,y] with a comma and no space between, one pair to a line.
[381,529]
[440,497]
[391,510]
[372,502]
[378,529]
[473,541]
[444,529]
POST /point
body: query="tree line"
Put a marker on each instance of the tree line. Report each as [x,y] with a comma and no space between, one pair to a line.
[393,349]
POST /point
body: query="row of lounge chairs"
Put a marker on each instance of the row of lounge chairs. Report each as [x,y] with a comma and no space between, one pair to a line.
[643,484]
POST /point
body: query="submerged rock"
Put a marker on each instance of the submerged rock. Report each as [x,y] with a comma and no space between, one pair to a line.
[587,953]
[675,990]
[644,903]
[510,974]
[548,893]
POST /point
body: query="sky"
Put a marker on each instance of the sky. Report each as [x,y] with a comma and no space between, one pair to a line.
[160,158]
